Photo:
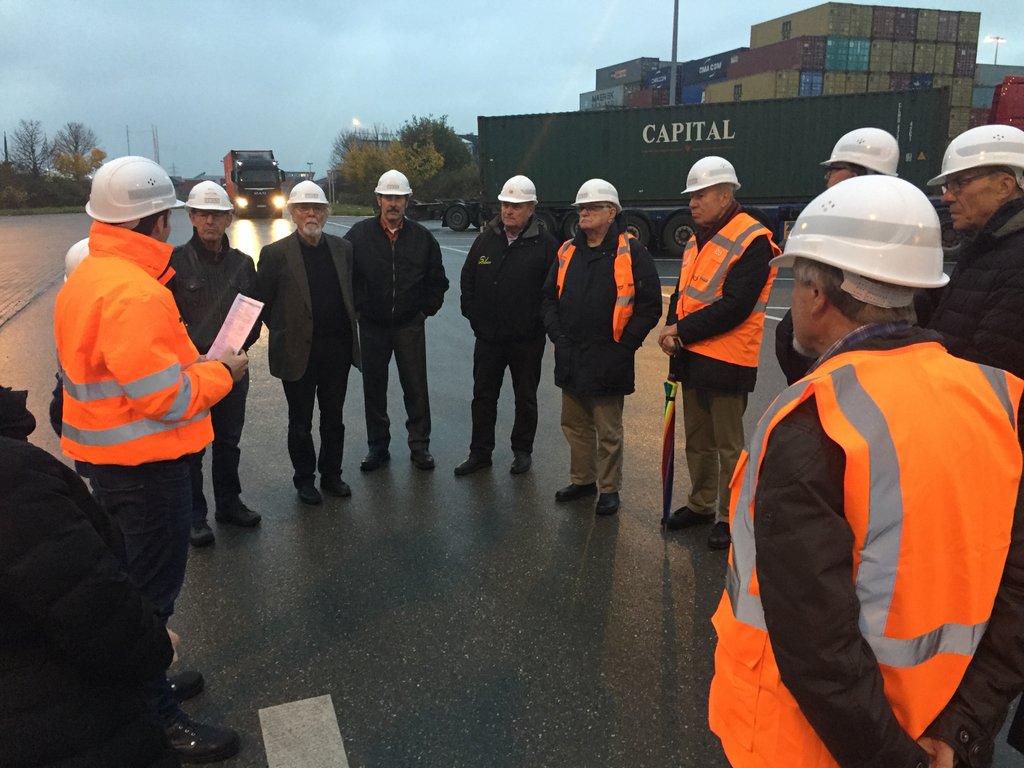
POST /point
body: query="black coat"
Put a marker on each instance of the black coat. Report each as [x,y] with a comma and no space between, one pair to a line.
[205,285]
[394,282]
[980,311]
[502,283]
[282,285]
[76,637]
[588,360]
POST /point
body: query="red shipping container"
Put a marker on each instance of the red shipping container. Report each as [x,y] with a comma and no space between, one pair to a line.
[1008,102]
[883,23]
[905,27]
[806,52]
[900,81]
[966,60]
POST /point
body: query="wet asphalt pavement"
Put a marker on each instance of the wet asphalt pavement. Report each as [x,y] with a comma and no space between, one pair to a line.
[453,621]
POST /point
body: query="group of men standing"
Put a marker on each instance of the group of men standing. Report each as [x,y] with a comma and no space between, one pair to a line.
[869,617]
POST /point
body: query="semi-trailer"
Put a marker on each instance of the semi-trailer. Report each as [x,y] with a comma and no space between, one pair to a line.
[253,181]
[777,147]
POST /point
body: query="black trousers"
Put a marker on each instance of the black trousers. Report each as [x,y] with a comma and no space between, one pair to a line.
[490,359]
[326,381]
[408,345]
[228,418]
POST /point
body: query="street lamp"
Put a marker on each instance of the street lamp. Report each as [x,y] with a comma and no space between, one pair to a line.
[310,166]
[997,40]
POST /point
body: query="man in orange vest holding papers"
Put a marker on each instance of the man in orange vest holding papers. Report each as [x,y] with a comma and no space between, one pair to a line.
[713,333]
[136,402]
[870,616]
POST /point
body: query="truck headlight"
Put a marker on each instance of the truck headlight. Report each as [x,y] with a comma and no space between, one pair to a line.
[279,201]
[241,202]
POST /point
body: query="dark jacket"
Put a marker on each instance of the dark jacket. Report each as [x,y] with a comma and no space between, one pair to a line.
[740,290]
[282,285]
[588,360]
[76,637]
[801,480]
[979,312]
[502,283]
[205,285]
[395,282]
[794,365]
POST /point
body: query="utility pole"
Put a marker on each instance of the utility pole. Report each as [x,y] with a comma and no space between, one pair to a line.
[675,41]
[156,146]
[128,138]
[7,157]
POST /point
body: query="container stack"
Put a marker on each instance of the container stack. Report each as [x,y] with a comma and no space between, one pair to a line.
[615,84]
[840,48]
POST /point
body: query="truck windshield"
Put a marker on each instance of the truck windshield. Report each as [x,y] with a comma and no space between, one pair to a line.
[254,177]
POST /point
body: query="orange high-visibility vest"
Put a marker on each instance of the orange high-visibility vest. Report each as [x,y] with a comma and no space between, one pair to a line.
[701,278]
[929,440]
[625,291]
[134,390]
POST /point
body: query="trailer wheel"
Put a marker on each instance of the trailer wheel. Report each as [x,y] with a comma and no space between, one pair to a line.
[638,227]
[547,223]
[676,233]
[570,225]
[457,218]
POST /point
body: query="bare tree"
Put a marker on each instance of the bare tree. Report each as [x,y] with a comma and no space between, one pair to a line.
[31,149]
[75,139]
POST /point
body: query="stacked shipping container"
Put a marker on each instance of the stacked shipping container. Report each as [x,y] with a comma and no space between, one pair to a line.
[844,48]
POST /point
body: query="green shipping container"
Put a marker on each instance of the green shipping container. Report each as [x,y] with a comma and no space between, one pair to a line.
[902,56]
[776,146]
[924,57]
[962,92]
[927,25]
[970,26]
[945,57]
[878,81]
[881,57]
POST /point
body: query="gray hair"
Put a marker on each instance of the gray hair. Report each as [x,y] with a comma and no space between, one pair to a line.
[829,279]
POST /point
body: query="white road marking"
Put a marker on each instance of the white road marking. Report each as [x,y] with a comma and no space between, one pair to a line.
[303,734]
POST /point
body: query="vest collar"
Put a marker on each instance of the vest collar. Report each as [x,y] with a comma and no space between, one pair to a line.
[150,255]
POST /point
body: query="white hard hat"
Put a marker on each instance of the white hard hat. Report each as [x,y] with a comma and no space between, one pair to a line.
[878,227]
[984,146]
[393,183]
[870,148]
[74,256]
[130,188]
[307,192]
[598,191]
[518,189]
[208,196]
[709,171]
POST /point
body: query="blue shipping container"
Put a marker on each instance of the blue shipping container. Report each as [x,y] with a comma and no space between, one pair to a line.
[812,83]
[921,81]
[660,78]
[711,68]
[692,94]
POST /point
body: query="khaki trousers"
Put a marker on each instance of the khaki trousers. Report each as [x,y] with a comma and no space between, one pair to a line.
[714,438]
[593,428]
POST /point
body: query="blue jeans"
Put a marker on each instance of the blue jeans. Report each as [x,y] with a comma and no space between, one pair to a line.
[152,504]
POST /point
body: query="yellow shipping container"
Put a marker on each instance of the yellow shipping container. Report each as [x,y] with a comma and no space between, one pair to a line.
[927,25]
[835,82]
[860,20]
[881,56]
[959,120]
[819,21]
[970,25]
[856,82]
[962,93]
[787,84]
[924,57]
[945,58]
[902,56]
[878,81]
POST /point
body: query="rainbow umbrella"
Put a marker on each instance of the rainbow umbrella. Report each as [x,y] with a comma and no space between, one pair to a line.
[668,449]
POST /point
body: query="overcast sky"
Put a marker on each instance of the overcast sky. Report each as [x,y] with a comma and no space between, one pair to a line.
[288,76]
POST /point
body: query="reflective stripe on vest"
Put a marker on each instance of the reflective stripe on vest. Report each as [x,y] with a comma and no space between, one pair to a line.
[625,291]
[876,574]
[105,438]
[702,277]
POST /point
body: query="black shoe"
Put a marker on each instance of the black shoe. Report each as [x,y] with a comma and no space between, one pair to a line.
[474,462]
[335,486]
[719,538]
[308,494]
[201,535]
[187,684]
[374,460]
[198,742]
[238,514]
[607,504]
[684,517]
[422,459]
[521,463]
[572,492]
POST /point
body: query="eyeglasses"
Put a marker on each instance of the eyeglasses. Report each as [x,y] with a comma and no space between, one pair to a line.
[955,186]
[836,167]
[591,207]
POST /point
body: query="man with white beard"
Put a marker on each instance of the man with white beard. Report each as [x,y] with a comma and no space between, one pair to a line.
[305,281]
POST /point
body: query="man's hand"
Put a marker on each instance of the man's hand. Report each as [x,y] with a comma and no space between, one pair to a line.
[668,339]
[940,754]
[237,364]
